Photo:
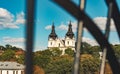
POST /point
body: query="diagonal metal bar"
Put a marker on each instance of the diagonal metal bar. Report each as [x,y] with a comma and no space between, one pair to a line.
[115,15]
[93,29]
[29,36]
[107,31]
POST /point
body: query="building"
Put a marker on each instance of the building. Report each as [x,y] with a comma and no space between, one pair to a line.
[11,68]
[62,44]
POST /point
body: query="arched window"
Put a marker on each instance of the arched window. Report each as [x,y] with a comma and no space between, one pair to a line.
[59,44]
[51,43]
[68,42]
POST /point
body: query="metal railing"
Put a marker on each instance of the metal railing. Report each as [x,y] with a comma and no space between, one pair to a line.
[80,15]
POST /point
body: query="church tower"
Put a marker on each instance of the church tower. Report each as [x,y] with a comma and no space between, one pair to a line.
[69,38]
[52,37]
[62,44]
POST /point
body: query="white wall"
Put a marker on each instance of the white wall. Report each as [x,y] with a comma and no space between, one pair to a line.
[11,71]
[55,43]
[62,46]
[69,42]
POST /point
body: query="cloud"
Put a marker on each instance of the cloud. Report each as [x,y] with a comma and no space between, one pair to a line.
[19,46]
[48,27]
[20,18]
[89,41]
[63,27]
[8,20]
[101,22]
[13,40]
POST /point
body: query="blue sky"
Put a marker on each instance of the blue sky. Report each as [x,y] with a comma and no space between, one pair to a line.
[12,22]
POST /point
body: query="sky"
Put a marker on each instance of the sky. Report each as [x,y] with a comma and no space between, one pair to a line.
[12,22]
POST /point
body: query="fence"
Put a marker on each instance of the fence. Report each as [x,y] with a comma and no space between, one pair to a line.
[79,14]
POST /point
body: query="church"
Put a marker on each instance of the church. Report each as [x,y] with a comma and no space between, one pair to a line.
[62,44]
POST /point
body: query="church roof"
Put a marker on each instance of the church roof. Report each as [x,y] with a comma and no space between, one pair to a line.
[70,33]
[11,66]
[53,35]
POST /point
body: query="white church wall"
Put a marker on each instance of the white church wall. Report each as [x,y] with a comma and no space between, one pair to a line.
[51,43]
[4,71]
[69,42]
[59,43]
[11,71]
[55,43]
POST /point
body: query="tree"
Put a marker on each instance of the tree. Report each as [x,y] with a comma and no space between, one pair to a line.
[89,64]
[94,50]
[56,52]
[7,55]
[38,70]
[2,48]
[46,52]
[60,65]
[117,50]
[41,60]
[85,48]
[21,59]
[7,46]
[69,52]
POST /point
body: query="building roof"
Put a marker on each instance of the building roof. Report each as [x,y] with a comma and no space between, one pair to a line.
[53,35]
[11,66]
[70,33]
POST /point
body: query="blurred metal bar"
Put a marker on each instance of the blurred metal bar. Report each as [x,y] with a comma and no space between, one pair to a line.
[79,40]
[115,15]
[29,36]
[107,31]
[74,10]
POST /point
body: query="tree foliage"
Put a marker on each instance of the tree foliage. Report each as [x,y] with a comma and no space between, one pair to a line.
[56,52]
[38,70]
[89,64]
[21,59]
[52,62]
[69,52]
[61,65]
[117,51]
[7,55]
[41,60]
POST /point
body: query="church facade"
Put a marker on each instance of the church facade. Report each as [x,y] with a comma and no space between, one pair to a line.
[62,44]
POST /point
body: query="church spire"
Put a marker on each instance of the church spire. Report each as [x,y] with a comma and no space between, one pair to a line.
[53,34]
[70,33]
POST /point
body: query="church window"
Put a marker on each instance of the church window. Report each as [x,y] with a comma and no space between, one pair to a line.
[51,43]
[59,44]
[68,42]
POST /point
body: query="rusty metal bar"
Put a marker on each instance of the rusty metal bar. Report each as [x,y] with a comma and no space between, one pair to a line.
[29,36]
[107,31]
[78,40]
[115,15]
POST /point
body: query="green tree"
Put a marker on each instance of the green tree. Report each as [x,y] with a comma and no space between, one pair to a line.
[2,48]
[8,46]
[46,52]
[89,64]
[60,65]
[7,55]
[117,50]
[94,50]
[56,52]
[41,60]
[69,52]
[85,48]
[21,59]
